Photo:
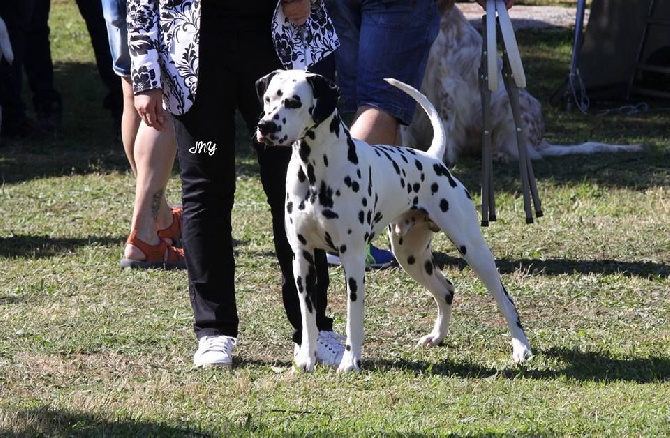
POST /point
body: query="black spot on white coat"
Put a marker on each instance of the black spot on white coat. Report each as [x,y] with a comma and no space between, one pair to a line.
[353,289]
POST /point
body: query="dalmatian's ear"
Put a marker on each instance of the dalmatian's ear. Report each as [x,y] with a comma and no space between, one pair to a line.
[262,84]
[326,94]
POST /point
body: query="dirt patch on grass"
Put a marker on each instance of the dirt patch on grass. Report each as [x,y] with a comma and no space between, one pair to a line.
[539,17]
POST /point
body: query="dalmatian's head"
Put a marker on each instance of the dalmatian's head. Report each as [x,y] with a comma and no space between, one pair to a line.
[294,102]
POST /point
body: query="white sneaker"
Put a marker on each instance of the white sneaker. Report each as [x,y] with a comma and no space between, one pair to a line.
[329,348]
[333,259]
[214,351]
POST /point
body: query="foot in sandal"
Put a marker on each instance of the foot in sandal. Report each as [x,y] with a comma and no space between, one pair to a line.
[172,234]
[160,256]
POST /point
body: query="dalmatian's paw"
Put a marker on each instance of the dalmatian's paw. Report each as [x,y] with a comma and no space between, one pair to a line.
[303,362]
[431,340]
[349,363]
[520,351]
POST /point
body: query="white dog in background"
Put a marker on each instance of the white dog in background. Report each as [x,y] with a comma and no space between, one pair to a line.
[5,50]
[452,84]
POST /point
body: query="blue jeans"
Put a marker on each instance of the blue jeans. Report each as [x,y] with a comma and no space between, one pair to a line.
[114,12]
[379,39]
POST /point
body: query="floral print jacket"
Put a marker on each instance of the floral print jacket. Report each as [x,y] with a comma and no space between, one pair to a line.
[164,34]
[163,37]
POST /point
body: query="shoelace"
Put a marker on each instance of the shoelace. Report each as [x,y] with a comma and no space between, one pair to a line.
[219,343]
[332,341]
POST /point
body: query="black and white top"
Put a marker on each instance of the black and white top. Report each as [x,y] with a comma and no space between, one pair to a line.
[164,35]
[298,47]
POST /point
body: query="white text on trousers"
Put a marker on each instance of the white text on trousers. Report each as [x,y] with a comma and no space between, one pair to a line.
[203,147]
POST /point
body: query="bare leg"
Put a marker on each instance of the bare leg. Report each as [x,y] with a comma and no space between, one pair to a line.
[130,123]
[151,155]
[375,126]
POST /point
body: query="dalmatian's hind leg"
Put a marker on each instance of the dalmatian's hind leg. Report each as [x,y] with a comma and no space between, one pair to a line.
[413,252]
[461,226]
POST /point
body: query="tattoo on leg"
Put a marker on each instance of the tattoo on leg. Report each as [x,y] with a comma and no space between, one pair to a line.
[156,203]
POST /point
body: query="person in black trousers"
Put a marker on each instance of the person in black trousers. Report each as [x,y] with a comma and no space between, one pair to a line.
[207,72]
[28,26]
[18,17]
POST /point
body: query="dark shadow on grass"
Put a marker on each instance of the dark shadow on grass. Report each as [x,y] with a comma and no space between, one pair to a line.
[580,366]
[45,421]
[54,422]
[565,266]
[597,366]
[558,266]
[35,160]
[40,246]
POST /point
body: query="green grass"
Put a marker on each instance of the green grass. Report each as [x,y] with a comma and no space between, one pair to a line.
[88,349]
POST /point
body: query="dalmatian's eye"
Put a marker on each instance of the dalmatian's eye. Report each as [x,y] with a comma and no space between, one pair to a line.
[293,102]
[267,99]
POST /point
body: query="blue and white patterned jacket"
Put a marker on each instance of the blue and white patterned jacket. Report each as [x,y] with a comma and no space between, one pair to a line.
[164,51]
[164,35]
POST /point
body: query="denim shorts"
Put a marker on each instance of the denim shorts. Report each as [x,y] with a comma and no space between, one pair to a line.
[114,12]
[379,39]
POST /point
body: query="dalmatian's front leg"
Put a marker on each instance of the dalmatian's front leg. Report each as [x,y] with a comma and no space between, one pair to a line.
[354,271]
[304,272]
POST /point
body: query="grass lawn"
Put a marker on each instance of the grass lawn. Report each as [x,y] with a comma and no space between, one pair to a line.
[89,349]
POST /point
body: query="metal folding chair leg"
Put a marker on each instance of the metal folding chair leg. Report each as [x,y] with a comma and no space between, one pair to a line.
[528,184]
[488,199]
[513,78]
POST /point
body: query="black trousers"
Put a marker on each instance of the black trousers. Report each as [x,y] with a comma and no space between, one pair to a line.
[91,12]
[18,18]
[28,26]
[234,53]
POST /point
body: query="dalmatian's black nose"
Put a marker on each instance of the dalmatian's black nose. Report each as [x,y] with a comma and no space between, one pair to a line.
[267,127]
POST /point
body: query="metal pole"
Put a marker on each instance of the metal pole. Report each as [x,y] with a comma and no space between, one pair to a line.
[576,46]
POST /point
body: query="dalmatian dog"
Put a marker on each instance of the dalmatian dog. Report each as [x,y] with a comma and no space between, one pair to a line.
[342,192]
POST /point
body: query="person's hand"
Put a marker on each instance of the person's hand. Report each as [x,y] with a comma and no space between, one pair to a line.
[508,3]
[149,105]
[297,11]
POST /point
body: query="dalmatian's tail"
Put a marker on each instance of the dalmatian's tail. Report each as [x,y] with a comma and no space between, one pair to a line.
[439,145]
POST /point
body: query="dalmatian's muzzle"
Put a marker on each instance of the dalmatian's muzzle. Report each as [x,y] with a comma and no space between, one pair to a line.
[268,132]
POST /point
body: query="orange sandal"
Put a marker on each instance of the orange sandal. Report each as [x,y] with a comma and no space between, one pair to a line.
[173,232]
[161,256]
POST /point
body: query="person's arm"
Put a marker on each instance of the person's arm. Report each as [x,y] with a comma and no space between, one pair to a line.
[143,34]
